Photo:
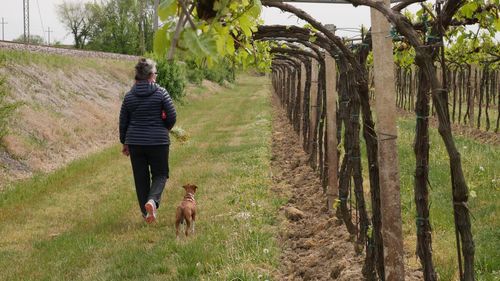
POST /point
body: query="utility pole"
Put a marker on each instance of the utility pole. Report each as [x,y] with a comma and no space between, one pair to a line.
[48,33]
[3,23]
[26,15]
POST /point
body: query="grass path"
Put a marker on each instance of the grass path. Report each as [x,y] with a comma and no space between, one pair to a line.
[83,223]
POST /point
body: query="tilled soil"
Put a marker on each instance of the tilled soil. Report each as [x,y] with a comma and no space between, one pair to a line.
[315,244]
[315,247]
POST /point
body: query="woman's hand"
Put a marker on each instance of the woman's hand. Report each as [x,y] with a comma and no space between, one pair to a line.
[125,150]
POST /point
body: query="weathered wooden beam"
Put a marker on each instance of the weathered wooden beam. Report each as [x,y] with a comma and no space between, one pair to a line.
[332,192]
[385,106]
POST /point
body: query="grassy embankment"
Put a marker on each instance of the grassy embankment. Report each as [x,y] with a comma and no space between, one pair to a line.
[66,107]
[82,222]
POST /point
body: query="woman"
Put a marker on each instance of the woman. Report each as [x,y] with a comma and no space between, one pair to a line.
[144,134]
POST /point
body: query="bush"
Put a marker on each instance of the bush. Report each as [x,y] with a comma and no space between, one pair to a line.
[194,73]
[171,76]
[220,72]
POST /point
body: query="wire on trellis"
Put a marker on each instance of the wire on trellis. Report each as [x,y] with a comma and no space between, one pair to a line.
[388,136]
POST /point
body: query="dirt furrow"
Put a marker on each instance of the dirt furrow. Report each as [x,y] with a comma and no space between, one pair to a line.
[315,245]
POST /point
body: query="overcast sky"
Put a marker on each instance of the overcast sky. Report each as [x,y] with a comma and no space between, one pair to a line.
[43,12]
[12,12]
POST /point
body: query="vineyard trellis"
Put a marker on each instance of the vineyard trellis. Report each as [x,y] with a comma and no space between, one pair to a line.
[353,90]
[471,89]
[303,83]
[347,76]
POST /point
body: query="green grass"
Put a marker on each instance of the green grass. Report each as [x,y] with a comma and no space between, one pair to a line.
[82,222]
[481,166]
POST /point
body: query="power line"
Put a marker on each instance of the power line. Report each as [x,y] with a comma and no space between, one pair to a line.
[40,15]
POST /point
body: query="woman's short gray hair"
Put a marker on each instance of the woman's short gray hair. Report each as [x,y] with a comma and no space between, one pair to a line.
[144,68]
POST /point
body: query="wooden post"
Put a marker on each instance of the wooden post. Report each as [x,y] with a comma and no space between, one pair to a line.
[314,102]
[332,192]
[472,94]
[385,106]
[296,101]
[283,84]
[301,109]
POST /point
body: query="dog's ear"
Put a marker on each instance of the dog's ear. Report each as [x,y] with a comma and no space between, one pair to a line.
[195,187]
[185,186]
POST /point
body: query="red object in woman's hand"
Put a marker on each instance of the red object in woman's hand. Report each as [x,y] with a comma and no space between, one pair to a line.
[163,115]
[125,150]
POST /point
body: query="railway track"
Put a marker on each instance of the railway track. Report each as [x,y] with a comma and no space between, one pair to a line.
[8,45]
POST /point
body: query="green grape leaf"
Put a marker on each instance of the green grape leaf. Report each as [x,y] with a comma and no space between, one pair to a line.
[217,5]
[234,6]
[224,43]
[469,9]
[245,25]
[230,45]
[199,45]
[161,41]
[256,9]
[167,8]
[220,45]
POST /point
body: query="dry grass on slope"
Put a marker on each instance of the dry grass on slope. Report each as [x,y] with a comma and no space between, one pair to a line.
[69,109]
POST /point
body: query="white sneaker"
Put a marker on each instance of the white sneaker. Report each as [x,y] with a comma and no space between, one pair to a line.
[151,210]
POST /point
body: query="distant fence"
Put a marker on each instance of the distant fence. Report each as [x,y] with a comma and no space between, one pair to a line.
[473,94]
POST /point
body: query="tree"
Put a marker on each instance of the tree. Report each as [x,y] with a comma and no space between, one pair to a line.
[77,18]
[121,26]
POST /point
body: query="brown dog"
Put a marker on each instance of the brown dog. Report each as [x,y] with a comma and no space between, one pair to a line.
[186,211]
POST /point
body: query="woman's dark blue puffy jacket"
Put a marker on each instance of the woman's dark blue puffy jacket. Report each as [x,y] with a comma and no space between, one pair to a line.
[141,122]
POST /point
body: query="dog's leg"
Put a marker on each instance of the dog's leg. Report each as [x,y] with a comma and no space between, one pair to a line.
[178,220]
[177,230]
[188,226]
[188,215]
[194,219]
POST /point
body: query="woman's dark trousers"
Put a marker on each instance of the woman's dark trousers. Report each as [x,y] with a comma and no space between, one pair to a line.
[150,168]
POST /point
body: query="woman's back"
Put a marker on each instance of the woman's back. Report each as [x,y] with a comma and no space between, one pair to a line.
[141,122]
